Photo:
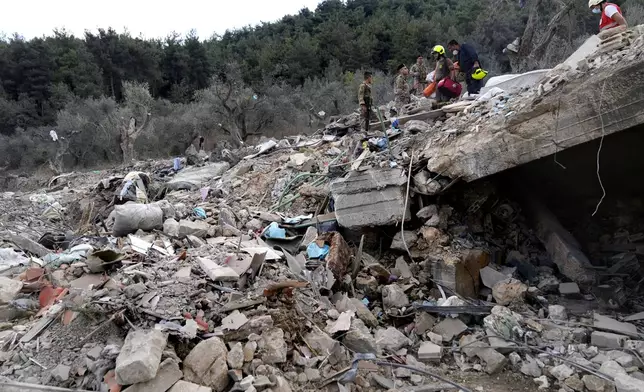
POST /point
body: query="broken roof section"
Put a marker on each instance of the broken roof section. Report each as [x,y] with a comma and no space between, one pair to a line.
[489,136]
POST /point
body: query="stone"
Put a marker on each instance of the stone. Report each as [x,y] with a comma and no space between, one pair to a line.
[574,383]
[423,322]
[167,375]
[393,296]
[217,272]
[611,368]
[530,368]
[542,382]
[95,352]
[561,372]
[459,273]
[607,339]
[435,338]
[9,289]
[185,386]
[570,289]
[371,198]
[430,351]
[249,351]
[391,339]
[428,212]
[140,356]
[235,357]
[626,361]
[226,217]
[134,290]
[508,291]
[196,228]
[515,359]
[273,346]
[262,382]
[557,312]
[382,381]
[206,364]
[368,285]
[471,346]
[359,339]
[171,227]
[253,326]
[611,325]
[403,267]
[625,383]
[450,328]
[410,238]
[596,384]
[322,343]
[312,374]
[61,372]
[236,375]
[281,385]
[490,276]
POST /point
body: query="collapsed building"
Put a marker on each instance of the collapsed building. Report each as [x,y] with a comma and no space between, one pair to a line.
[493,243]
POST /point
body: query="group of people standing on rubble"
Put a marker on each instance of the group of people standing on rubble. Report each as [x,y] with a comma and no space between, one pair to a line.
[442,81]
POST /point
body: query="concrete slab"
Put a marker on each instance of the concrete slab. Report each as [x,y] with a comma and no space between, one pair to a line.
[198,176]
[371,198]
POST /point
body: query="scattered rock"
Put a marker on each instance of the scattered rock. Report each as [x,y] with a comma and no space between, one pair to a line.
[235,357]
[557,312]
[171,227]
[561,372]
[570,289]
[140,356]
[359,339]
[509,290]
[490,276]
[391,339]
[530,368]
[430,351]
[410,239]
[273,346]
[574,383]
[249,351]
[61,372]
[450,328]
[185,386]
[167,375]
[9,289]
[612,369]
[393,296]
[542,382]
[625,383]
[134,290]
[596,384]
[607,339]
[206,364]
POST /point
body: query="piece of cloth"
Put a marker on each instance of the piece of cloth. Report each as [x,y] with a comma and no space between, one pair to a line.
[401,91]
[467,56]
[607,21]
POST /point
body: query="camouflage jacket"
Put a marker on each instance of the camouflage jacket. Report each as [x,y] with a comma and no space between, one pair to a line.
[401,89]
[419,72]
[364,94]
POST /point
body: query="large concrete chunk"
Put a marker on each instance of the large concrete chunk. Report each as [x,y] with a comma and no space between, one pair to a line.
[140,356]
[206,364]
[167,375]
[9,288]
[185,386]
[461,274]
[372,198]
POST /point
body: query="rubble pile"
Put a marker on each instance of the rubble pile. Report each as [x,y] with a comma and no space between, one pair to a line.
[339,261]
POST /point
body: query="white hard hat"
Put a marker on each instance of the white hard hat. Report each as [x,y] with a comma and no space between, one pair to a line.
[592,3]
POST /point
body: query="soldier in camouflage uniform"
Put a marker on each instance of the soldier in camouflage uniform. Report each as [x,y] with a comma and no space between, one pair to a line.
[419,72]
[401,88]
[365,101]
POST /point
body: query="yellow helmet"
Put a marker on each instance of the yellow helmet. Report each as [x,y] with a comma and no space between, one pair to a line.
[439,49]
[592,3]
[479,74]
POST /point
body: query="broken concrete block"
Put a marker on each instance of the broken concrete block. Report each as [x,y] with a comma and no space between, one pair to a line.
[574,383]
[403,268]
[430,351]
[543,382]
[217,272]
[359,338]
[9,289]
[461,274]
[508,291]
[570,289]
[561,372]
[273,346]
[596,384]
[140,356]
[371,198]
[423,322]
[494,361]
[490,276]
[428,212]
[393,296]
[235,357]
[450,328]
[612,369]
[167,375]
[609,324]
[206,364]
[557,312]
[185,386]
[249,351]
[530,367]
[196,228]
[61,372]
[321,342]
[171,227]
[410,239]
[391,339]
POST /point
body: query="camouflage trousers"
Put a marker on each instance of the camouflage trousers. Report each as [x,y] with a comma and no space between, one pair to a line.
[366,118]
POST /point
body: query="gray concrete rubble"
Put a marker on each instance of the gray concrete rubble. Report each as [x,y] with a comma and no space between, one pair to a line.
[306,265]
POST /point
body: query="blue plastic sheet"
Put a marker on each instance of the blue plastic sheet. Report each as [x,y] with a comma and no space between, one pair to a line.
[274,231]
[200,213]
[315,252]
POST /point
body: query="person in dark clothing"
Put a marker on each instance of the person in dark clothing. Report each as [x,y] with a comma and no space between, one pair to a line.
[468,61]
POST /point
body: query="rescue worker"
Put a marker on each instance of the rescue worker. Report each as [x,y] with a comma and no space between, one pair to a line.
[611,14]
[365,101]
[444,68]
[401,88]
[419,72]
[469,63]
